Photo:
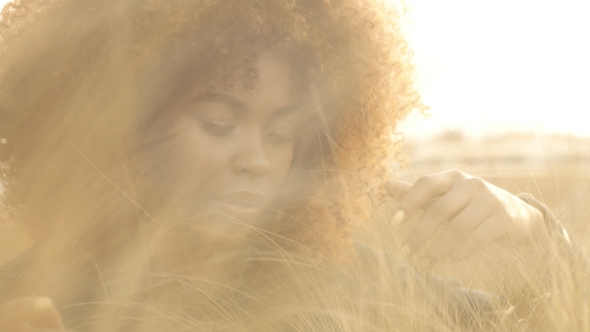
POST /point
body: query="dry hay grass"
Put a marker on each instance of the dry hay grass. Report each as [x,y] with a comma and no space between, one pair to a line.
[541,290]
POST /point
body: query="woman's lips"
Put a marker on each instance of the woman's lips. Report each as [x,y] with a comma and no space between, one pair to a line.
[244,206]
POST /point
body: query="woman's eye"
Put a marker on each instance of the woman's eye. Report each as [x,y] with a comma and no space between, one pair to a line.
[217,129]
[279,139]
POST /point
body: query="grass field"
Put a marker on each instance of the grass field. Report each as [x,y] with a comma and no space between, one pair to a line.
[540,290]
[556,171]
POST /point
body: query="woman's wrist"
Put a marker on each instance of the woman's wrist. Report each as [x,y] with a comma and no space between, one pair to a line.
[550,228]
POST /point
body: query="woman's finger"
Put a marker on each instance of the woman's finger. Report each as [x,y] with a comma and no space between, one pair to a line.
[425,189]
[458,230]
[438,213]
[397,189]
[29,328]
[35,312]
[45,315]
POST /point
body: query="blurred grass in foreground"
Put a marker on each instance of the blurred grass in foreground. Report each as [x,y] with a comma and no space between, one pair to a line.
[538,290]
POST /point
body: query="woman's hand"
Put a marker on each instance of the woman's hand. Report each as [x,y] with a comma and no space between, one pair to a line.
[30,314]
[471,212]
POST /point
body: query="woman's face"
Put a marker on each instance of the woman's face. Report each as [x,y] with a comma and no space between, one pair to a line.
[219,156]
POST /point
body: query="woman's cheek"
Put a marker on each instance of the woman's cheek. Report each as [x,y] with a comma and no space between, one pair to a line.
[282,164]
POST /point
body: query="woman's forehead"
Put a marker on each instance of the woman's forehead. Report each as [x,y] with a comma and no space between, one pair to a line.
[268,69]
[271,82]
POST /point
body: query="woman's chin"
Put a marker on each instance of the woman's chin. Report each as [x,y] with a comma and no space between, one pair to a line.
[216,227]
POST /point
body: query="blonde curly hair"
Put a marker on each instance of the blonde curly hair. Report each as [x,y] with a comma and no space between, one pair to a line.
[80,77]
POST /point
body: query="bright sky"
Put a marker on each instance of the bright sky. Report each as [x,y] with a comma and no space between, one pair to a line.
[488,67]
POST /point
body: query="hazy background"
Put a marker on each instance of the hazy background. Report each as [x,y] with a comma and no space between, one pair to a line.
[508,86]
[492,67]
[507,82]
[503,66]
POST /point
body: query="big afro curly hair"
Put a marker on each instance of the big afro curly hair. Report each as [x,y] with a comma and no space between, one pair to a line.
[79,77]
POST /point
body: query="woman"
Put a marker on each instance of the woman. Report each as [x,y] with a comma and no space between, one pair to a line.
[189,164]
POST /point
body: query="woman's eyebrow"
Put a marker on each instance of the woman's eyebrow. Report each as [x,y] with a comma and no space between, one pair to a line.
[215,97]
[236,104]
[289,109]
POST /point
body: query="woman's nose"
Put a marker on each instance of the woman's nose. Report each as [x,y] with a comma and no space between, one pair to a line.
[251,157]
